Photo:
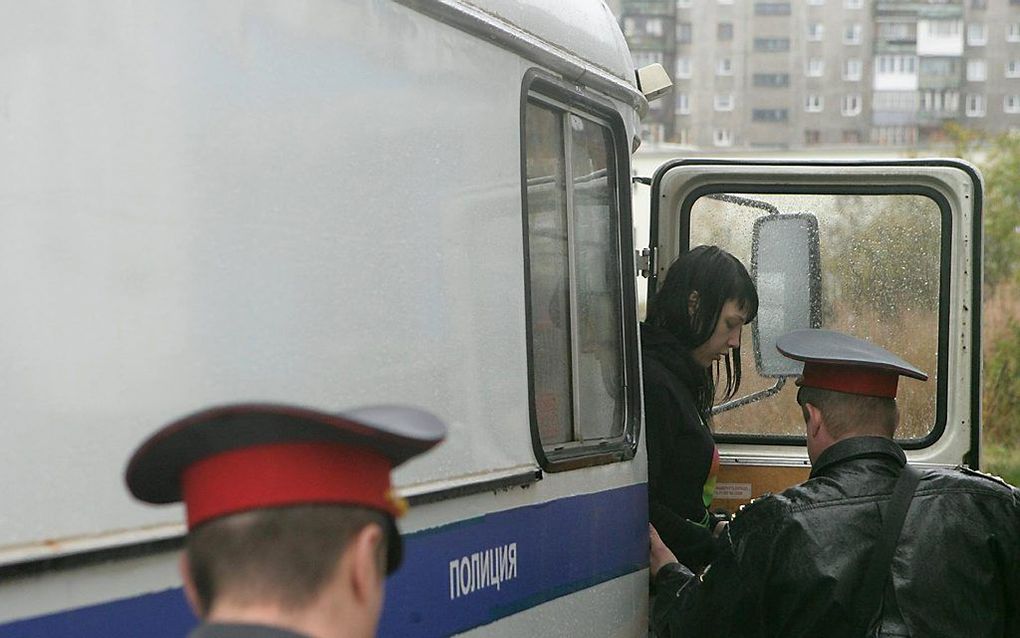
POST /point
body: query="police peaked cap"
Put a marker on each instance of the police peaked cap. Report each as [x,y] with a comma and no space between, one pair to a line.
[839,362]
[241,457]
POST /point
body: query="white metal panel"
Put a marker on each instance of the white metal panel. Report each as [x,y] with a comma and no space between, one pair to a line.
[585,28]
[274,201]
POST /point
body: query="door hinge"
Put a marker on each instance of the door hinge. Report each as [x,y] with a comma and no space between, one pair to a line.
[646,261]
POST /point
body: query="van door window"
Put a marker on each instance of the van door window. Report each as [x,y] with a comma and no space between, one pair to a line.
[577,355]
[883,264]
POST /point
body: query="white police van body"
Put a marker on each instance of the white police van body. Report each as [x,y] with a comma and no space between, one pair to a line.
[339,204]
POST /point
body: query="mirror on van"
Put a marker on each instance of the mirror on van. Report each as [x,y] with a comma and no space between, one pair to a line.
[785,266]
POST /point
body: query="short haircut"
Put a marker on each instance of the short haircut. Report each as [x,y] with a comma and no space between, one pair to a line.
[847,414]
[283,555]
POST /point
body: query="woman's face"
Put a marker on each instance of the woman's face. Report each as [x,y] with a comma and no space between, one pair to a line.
[725,336]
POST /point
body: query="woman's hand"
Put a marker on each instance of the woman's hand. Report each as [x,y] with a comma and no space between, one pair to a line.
[660,554]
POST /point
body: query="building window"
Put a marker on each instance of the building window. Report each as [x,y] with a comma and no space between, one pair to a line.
[977,34]
[894,135]
[853,68]
[815,67]
[683,104]
[851,104]
[724,66]
[772,8]
[724,31]
[723,102]
[582,364]
[771,80]
[1013,69]
[943,28]
[852,34]
[1013,32]
[940,101]
[722,137]
[977,70]
[815,32]
[771,45]
[653,26]
[683,32]
[896,32]
[853,4]
[683,4]
[1011,104]
[902,101]
[975,105]
[812,136]
[814,103]
[978,4]
[682,136]
[644,58]
[896,64]
[940,67]
[683,67]
[769,115]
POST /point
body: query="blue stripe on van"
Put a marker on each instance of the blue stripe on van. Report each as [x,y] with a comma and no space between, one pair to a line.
[503,562]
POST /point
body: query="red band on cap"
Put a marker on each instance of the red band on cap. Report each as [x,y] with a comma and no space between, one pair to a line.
[285,474]
[870,382]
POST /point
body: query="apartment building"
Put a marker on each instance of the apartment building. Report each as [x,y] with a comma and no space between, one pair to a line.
[795,73]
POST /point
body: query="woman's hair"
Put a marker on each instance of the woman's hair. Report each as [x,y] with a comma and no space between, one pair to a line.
[716,276]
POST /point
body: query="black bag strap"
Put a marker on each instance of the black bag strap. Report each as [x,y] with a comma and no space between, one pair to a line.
[867,604]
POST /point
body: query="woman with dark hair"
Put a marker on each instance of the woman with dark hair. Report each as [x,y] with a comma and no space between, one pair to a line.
[691,332]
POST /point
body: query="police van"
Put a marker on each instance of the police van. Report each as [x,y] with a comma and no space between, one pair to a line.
[350,202]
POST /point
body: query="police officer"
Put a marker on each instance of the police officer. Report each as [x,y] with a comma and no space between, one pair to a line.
[868,545]
[290,513]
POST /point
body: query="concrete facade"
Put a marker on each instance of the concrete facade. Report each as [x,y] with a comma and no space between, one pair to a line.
[800,73]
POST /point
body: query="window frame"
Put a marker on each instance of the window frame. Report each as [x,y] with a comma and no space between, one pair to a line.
[858,102]
[853,34]
[853,74]
[975,65]
[977,34]
[545,90]
[979,100]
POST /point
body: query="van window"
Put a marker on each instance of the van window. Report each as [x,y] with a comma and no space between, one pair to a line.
[577,353]
[882,268]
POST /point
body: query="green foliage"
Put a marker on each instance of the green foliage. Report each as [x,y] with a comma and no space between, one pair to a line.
[1001,171]
[886,260]
[1002,386]
[1003,461]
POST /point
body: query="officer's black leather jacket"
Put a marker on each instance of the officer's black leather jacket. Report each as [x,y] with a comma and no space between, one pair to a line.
[956,570]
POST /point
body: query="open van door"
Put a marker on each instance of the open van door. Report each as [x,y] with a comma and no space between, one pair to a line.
[889,251]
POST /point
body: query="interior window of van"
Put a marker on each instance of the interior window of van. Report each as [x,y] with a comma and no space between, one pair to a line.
[882,272]
[574,280]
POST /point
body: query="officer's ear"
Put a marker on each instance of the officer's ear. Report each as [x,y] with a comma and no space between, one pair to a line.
[813,420]
[367,574]
[190,593]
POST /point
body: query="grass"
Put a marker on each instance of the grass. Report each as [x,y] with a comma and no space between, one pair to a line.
[1003,461]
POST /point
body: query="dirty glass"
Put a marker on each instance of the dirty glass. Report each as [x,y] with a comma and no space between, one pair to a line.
[597,277]
[548,267]
[575,285]
[880,281]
